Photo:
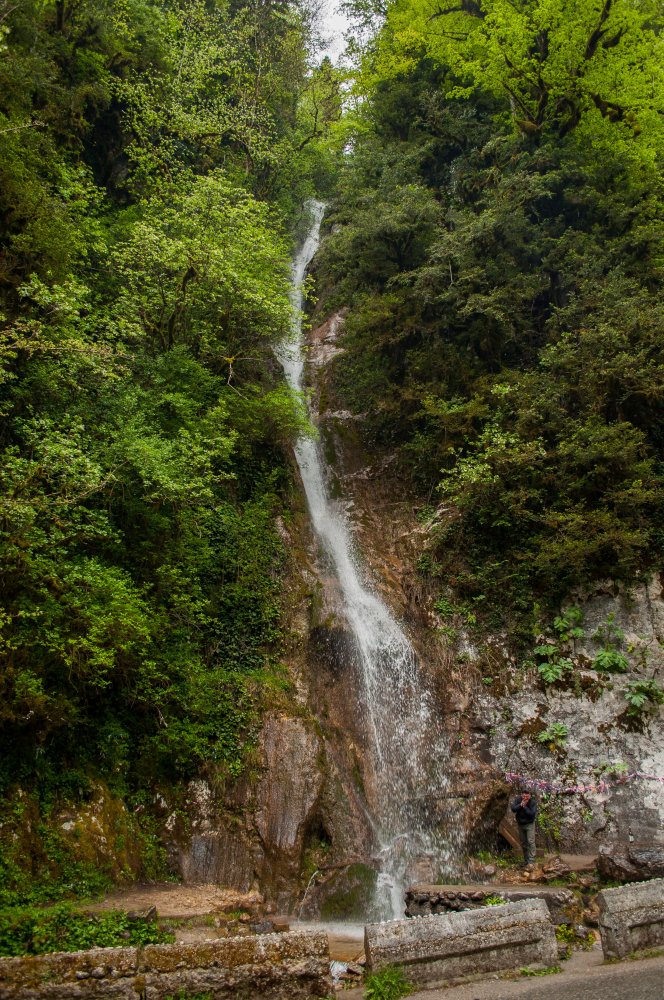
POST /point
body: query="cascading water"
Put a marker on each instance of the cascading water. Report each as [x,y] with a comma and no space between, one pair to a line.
[407,750]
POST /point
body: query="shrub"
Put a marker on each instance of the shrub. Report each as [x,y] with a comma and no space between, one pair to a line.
[554,735]
[388,984]
[34,931]
[610,661]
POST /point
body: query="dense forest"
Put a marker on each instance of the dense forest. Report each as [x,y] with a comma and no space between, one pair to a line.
[495,228]
[498,233]
[154,159]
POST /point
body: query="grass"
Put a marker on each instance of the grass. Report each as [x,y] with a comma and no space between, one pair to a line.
[548,970]
[388,984]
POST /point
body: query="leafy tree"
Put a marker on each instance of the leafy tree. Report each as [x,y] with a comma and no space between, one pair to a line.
[562,65]
[147,201]
[513,360]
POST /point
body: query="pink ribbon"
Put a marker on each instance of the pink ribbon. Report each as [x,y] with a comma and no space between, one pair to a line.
[602,785]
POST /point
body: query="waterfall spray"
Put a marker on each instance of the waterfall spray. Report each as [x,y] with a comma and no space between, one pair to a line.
[407,749]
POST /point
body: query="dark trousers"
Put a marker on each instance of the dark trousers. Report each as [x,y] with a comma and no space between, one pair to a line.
[527,838]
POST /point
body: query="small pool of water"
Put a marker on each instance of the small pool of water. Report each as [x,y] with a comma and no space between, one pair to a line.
[346,939]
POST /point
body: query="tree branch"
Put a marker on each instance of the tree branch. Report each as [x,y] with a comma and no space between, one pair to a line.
[465,7]
[599,32]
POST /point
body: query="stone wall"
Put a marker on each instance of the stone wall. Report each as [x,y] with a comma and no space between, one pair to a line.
[434,950]
[425,900]
[291,966]
[631,918]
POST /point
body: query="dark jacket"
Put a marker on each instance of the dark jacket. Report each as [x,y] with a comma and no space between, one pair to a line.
[524,814]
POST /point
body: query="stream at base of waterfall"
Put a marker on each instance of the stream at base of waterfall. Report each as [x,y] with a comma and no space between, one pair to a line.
[407,753]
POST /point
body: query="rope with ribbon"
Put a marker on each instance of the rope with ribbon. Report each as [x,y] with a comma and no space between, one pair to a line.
[559,788]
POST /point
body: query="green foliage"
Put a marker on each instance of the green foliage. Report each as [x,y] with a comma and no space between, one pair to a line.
[610,661]
[59,877]
[564,66]
[549,970]
[554,669]
[388,984]
[565,934]
[550,815]
[494,900]
[610,634]
[643,696]
[552,665]
[568,625]
[508,353]
[32,931]
[613,769]
[183,995]
[153,164]
[554,736]
[488,858]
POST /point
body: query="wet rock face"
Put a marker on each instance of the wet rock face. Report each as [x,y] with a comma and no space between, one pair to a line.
[221,857]
[346,895]
[290,786]
[255,832]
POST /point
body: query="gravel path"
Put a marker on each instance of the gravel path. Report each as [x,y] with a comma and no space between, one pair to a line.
[584,977]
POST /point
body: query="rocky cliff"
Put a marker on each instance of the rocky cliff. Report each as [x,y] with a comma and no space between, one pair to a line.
[296,825]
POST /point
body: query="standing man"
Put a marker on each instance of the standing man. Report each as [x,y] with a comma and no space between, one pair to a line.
[524,808]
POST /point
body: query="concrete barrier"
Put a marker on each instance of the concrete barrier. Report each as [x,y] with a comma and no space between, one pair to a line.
[631,918]
[293,966]
[434,950]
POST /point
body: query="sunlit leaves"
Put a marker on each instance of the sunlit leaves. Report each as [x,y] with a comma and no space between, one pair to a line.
[206,270]
[557,64]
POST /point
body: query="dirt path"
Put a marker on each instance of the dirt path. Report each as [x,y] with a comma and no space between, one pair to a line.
[181,901]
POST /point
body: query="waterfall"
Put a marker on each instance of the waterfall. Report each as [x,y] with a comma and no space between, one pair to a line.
[407,749]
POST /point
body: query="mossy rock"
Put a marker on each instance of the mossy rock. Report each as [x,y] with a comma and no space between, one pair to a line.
[350,895]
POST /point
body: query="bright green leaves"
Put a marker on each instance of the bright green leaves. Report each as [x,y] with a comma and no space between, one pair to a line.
[143,284]
[223,94]
[205,270]
[643,697]
[95,623]
[557,64]
[514,359]
[554,737]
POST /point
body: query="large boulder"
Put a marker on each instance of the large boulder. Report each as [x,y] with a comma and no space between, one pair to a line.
[631,862]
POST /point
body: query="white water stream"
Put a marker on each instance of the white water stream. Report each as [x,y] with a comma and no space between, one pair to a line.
[408,755]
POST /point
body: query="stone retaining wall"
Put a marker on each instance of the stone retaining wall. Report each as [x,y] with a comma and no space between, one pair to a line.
[435,950]
[293,966]
[631,918]
[424,900]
